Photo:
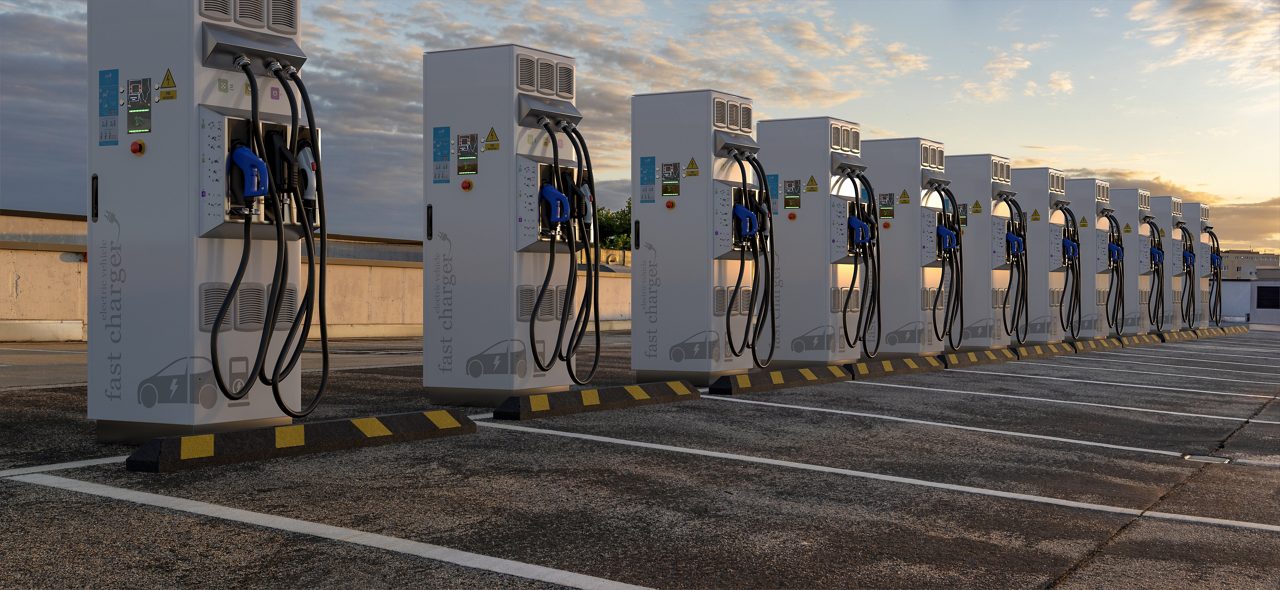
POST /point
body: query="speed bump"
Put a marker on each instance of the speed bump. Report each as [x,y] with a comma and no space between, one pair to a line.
[1139,340]
[1178,335]
[177,453]
[1042,350]
[1092,344]
[967,358]
[775,379]
[872,368]
[545,405]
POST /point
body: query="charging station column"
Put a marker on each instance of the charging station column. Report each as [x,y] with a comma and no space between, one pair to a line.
[993,250]
[1038,189]
[909,173]
[1131,207]
[1166,212]
[170,103]
[815,159]
[1197,220]
[687,193]
[1086,196]
[497,218]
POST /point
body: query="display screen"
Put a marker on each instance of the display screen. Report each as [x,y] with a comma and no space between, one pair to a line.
[138,105]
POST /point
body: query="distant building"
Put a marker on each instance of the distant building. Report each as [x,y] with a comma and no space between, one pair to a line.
[1244,264]
[1264,301]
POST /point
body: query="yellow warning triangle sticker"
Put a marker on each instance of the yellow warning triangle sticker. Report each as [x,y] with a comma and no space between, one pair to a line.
[811,186]
[1035,215]
[977,207]
[904,198]
[1084,222]
[692,168]
[492,136]
[1127,229]
[168,79]
[1162,232]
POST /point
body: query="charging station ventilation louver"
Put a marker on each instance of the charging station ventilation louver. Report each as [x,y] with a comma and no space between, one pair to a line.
[526,73]
[1144,200]
[744,301]
[525,294]
[564,80]
[720,298]
[744,118]
[1057,183]
[1000,171]
[546,77]
[731,120]
[561,293]
[1102,192]
[720,114]
[251,307]
[251,13]
[216,9]
[282,16]
[932,156]
[211,296]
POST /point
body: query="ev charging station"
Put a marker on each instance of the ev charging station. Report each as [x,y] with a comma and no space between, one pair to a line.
[1038,191]
[1131,206]
[1166,213]
[995,299]
[1088,197]
[1196,216]
[1154,298]
[703,273]
[827,305]
[205,187]
[919,224]
[505,312]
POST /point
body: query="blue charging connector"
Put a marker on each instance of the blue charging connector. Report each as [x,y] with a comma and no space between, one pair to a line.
[1115,252]
[254,169]
[557,204]
[948,240]
[1070,249]
[859,231]
[1016,244]
[748,222]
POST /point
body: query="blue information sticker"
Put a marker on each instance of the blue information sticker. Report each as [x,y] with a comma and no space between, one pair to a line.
[773,186]
[648,170]
[440,155]
[108,107]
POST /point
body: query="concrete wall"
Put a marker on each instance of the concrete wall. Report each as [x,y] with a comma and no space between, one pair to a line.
[43,294]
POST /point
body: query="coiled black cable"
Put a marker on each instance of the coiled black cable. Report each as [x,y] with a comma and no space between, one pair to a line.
[1070,313]
[1018,324]
[953,261]
[1155,297]
[864,255]
[589,310]
[264,342]
[1215,277]
[742,245]
[1189,282]
[764,237]
[1115,266]
[552,230]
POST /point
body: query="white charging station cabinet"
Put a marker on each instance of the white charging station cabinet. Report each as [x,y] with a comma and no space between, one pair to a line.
[1038,189]
[978,181]
[166,103]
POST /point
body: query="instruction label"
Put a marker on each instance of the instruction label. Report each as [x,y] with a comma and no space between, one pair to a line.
[671,179]
[1127,229]
[886,204]
[108,108]
[648,179]
[440,155]
[772,179]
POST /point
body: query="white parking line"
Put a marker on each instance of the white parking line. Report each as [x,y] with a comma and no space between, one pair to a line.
[1130,385]
[1202,353]
[946,425]
[61,466]
[1199,360]
[1201,346]
[1067,402]
[1143,372]
[1196,367]
[333,533]
[882,477]
[44,350]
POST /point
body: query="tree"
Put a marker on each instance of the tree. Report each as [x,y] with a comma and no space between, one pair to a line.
[615,228]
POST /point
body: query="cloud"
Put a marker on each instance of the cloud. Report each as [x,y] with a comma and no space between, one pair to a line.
[1100,12]
[1002,68]
[1248,225]
[1059,83]
[1241,35]
[616,8]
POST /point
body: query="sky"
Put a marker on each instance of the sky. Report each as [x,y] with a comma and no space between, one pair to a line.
[1175,96]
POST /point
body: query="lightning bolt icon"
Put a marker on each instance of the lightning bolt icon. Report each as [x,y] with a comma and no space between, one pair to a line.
[496,360]
[173,386]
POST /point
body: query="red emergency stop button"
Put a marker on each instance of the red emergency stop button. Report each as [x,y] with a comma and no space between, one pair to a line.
[791,216]
[138,147]
[671,204]
[466,186]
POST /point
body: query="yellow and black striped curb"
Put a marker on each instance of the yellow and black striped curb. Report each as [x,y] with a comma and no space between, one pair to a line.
[1178,336]
[545,405]
[872,368]
[1042,350]
[778,379]
[1093,344]
[1139,340]
[177,453]
[1219,331]
[966,358]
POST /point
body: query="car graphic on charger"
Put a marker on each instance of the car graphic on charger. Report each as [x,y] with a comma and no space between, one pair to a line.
[820,338]
[504,358]
[188,380]
[908,334]
[703,345]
